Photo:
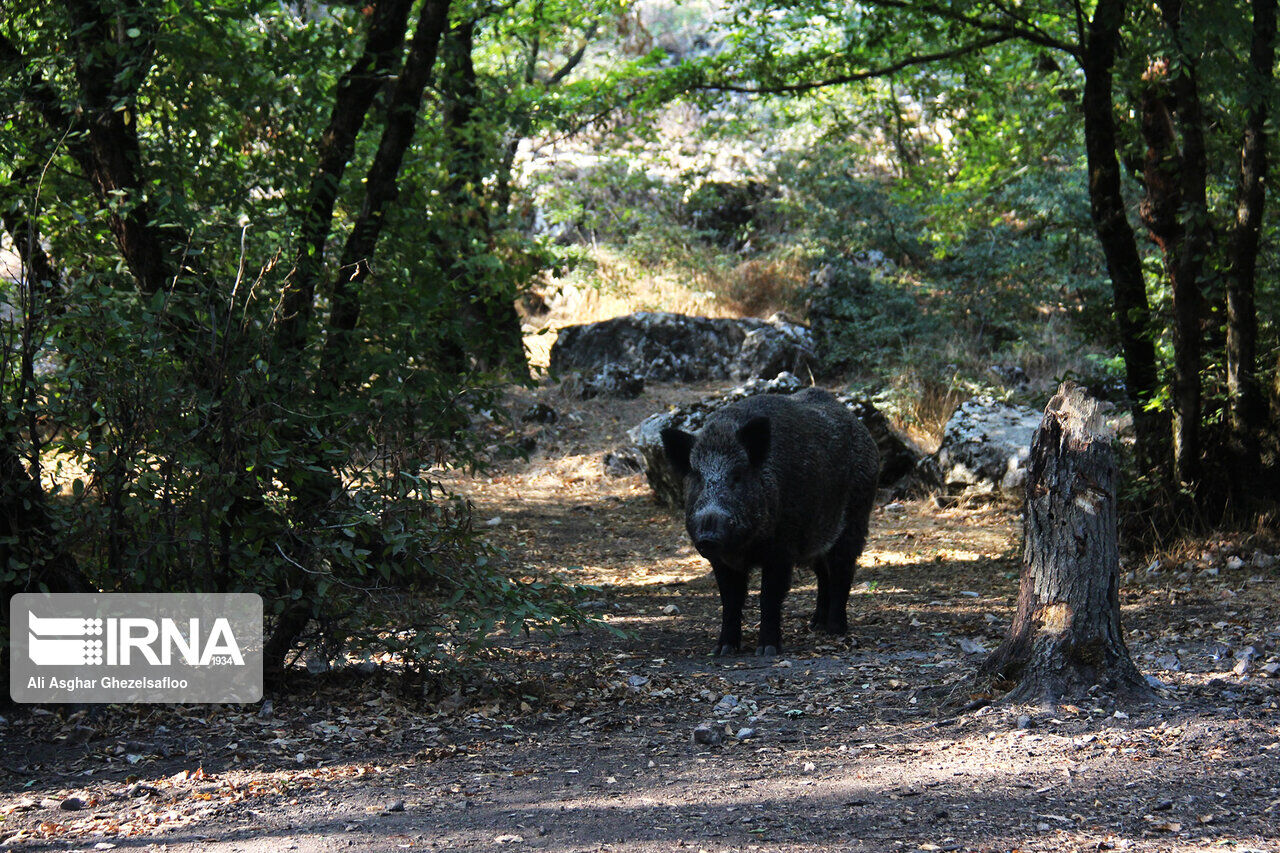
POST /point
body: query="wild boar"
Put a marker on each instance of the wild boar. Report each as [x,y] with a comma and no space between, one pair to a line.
[773,481]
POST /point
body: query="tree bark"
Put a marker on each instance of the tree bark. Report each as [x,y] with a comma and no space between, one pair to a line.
[1245,406]
[1176,212]
[1133,313]
[1066,637]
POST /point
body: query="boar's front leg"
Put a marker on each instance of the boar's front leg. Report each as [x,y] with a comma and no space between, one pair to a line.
[733,595]
[775,582]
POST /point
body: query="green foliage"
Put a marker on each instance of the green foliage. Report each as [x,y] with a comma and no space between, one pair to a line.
[184,444]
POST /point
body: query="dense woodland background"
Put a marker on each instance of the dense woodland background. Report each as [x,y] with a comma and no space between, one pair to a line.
[267,262]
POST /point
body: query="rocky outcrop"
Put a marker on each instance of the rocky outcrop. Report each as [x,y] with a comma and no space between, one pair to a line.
[666,347]
[899,459]
[985,446]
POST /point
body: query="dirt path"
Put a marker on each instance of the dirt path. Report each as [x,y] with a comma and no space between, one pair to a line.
[584,742]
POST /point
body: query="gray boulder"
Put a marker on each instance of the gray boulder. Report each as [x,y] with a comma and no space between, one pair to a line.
[666,347]
[985,447]
[900,460]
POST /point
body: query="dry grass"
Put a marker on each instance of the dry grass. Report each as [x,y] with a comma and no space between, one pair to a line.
[698,282]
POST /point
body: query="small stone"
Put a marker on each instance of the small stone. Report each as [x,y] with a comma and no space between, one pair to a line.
[1244,660]
[638,680]
[71,804]
[745,733]
[708,735]
[1162,806]
[622,464]
[1271,669]
[1234,563]
[494,522]
[726,704]
[670,610]
[396,806]
[1025,722]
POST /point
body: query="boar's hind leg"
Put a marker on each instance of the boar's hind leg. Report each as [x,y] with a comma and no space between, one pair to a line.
[775,581]
[819,620]
[733,594]
[835,576]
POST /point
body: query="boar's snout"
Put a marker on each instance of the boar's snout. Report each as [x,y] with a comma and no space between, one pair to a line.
[710,531]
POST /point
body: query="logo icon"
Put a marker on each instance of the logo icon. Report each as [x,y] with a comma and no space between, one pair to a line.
[62,641]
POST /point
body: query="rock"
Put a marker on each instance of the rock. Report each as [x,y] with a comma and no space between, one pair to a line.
[708,734]
[745,733]
[726,705]
[622,463]
[1234,563]
[1025,722]
[671,610]
[902,465]
[613,380]
[71,804]
[666,347]
[396,806]
[1272,669]
[637,681]
[540,413]
[904,469]
[985,447]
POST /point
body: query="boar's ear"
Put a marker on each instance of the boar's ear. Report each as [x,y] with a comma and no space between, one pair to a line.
[755,435]
[677,443]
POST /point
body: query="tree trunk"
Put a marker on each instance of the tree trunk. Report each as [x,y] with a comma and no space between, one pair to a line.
[1065,637]
[1176,212]
[487,306]
[381,185]
[1133,313]
[354,95]
[1245,406]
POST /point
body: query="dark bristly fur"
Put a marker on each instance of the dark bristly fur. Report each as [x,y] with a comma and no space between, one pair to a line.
[773,481]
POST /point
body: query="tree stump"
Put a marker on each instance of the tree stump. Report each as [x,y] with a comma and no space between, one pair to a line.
[1065,638]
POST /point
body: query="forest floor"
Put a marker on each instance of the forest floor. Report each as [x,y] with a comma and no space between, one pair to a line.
[584,742]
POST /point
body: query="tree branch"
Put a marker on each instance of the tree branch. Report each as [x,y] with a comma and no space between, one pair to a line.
[1023,30]
[883,71]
